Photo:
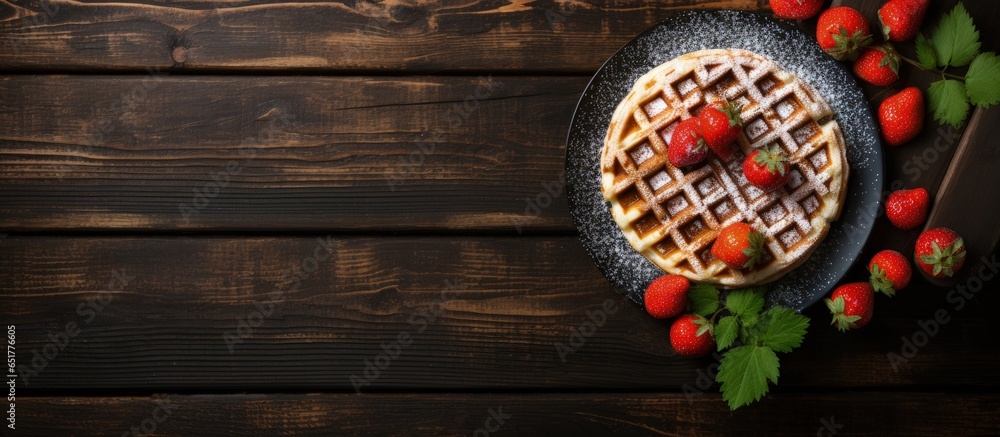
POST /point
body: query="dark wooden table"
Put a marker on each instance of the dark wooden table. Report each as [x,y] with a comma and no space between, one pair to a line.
[230,218]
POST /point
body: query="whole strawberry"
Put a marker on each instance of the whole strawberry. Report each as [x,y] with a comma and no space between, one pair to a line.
[901,19]
[890,272]
[851,305]
[739,245]
[685,339]
[796,9]
[666,296]
[720,125]
[767,167]
[939,252]
[901,116]
[842,31]
[687,145]
[907,209]
[878,66]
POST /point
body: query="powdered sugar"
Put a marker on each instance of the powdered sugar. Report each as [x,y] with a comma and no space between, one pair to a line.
[628,270]
[654,107]
[641,154]
[784,108]
[659,179]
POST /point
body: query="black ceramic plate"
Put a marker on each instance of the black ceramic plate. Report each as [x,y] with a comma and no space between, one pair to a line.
[793,51]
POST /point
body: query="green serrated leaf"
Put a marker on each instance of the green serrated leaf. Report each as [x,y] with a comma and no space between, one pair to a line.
[955,40]
[785,329]
[982,82]
[749,319]
[704,299]
[746,301]
[948,100]
[725,332]
[925,52]
[744,373]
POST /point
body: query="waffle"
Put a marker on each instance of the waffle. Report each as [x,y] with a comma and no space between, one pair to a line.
[672,216]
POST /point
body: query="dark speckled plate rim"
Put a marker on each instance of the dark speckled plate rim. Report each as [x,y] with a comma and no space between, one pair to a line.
[867,219]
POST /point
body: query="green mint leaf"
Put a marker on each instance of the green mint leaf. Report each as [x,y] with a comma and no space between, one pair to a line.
[982,82]
[955,40]
[785,329]
[949,102]
[704,299]
[746,301]
[744,373]
[925,53]
[725,332]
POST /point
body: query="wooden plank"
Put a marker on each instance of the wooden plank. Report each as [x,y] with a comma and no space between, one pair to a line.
[822,414]
[457,313]
[968,201]
[423,35]
[284,153]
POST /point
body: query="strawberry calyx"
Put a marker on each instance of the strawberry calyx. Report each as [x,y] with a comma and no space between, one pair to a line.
[843,321]
[772,158]
[704,325]
[732,111]
[880,281]
[890,59]
[944,260]
[700,146]
[756,249]
[846,45]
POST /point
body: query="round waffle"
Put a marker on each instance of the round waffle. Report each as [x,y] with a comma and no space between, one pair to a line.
[672,215]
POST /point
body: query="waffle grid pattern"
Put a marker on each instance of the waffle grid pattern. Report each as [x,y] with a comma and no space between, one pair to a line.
[673,216]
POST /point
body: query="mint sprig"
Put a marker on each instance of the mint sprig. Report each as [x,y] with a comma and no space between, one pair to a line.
[750,338]
[955,43]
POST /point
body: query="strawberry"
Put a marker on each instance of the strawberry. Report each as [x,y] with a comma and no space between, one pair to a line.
[767,167]
[907,209]
[939,252]
[901,18]
[878,66]
[901,116]
[685,339]
[851,305]
[890,272]
[720,125]
[687,145]
[796,9]
[739,245]
[841,31]
[666,296]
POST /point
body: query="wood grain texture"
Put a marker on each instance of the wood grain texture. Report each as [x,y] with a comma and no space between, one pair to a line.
[284,153]
[521,296]
[859,413]
[412,35]
[972,180]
